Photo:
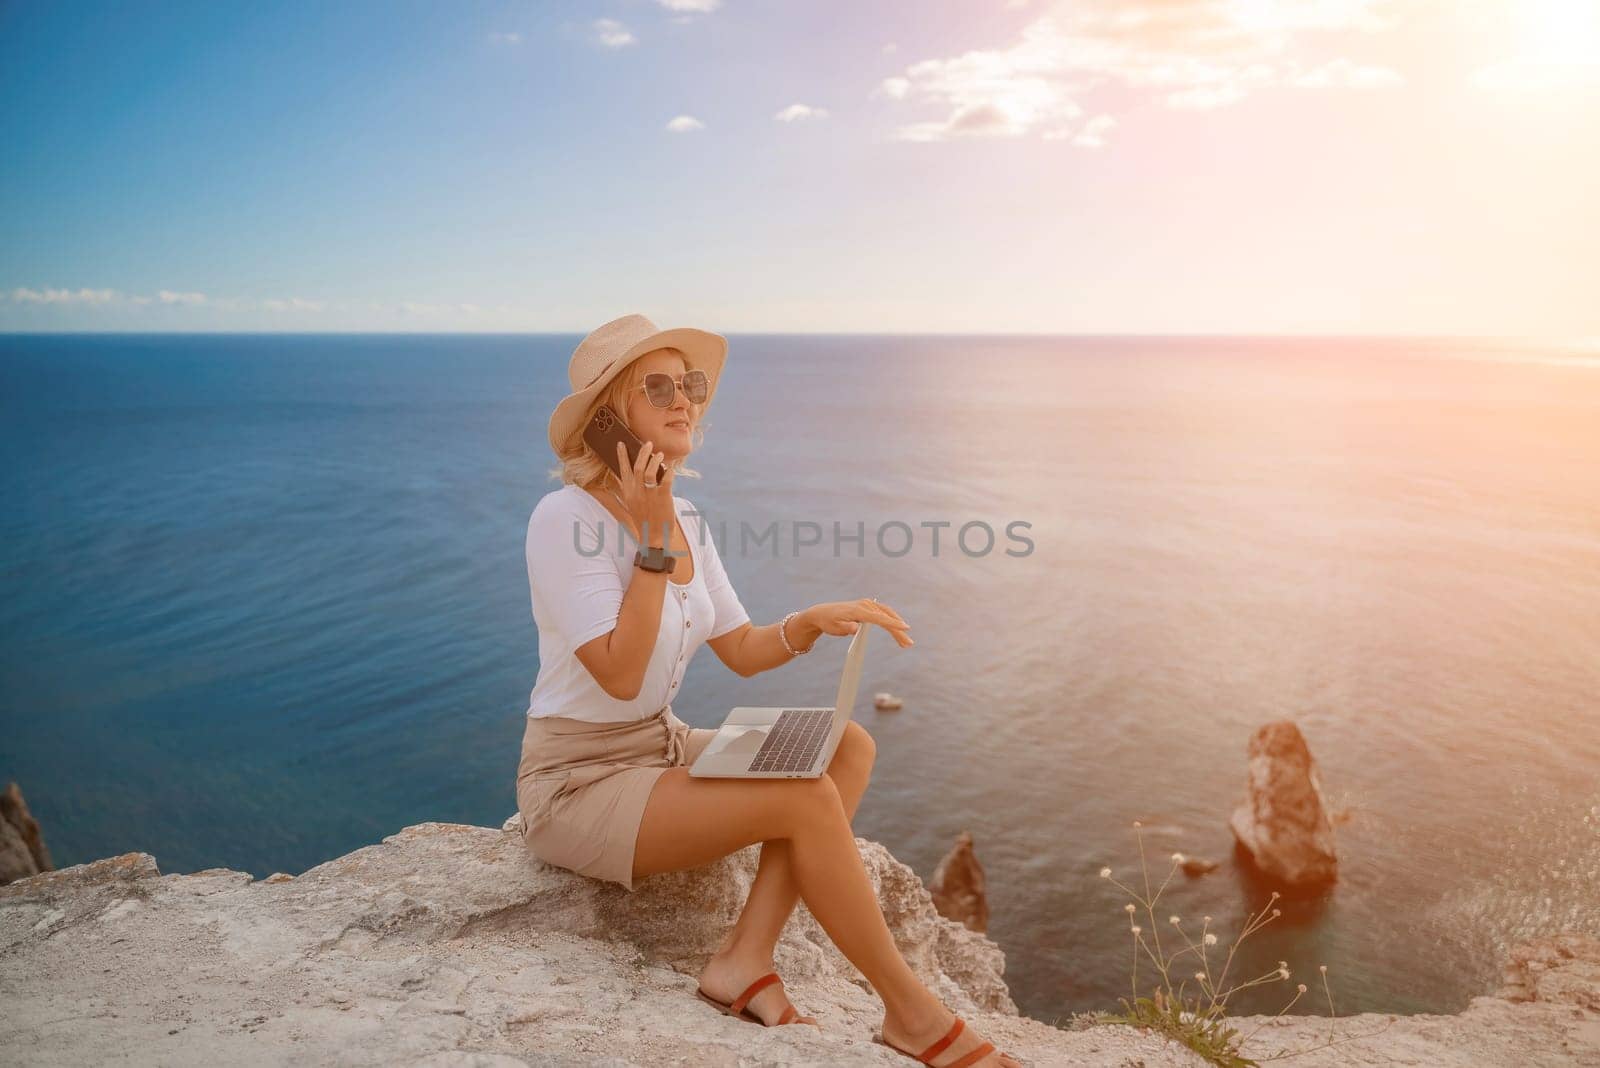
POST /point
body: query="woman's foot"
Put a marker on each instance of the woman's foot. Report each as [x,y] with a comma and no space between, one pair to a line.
[725,978]
[913,1035]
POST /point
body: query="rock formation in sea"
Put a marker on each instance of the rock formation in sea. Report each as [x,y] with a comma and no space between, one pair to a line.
[22,849]
[1282,823]
[958,887]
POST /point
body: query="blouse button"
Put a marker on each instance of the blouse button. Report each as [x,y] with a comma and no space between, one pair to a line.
[686,623]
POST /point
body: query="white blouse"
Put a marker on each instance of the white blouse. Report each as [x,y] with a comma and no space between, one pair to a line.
[577,582]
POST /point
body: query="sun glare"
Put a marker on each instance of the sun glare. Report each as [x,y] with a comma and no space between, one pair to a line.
[1559,32]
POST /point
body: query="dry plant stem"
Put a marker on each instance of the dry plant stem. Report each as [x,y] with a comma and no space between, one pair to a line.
[1149,907]
[1218,997]
[1331,1014]
[1149,901]
[1250,927]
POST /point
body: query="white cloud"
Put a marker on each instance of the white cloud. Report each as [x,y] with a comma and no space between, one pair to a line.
[800,112]
[424,308]
[252,311]
[1191,53]
[1092,135]
[506,38]
[23,295]
[692,7]
[1205,97]
[989,93]
[165,297]
[1367,16]
[613,34]
[685,123]
[1343,74]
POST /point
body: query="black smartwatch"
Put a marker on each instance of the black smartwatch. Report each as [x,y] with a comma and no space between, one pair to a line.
[655,558]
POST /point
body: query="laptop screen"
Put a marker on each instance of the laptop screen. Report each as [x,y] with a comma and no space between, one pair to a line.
[844,704]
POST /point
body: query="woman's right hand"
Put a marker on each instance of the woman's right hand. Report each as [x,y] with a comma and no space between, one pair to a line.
[846,617]
[651,507]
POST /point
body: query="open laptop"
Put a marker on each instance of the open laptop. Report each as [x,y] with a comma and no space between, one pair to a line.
[784,743]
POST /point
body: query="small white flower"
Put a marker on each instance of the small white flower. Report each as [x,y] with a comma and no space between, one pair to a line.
[1323,968]
[1301,988]
[1136,823]
[1277,912]
[1283,973]
[1206,919]
[1177,858]
[1128,907]
[1211,939]
[1105,873]
[1200,976]
[1173,920]
[1136,928]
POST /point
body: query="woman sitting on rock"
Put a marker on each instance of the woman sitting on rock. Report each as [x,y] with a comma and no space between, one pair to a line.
[603,785]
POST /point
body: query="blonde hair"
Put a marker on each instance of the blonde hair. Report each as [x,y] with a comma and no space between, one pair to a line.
[581,466]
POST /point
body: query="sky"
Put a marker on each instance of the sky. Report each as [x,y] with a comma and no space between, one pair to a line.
[1355,167]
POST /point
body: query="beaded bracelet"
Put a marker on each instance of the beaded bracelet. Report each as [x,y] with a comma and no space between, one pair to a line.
[784,637]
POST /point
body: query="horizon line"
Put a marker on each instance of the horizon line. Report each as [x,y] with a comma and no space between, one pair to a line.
[1592,340]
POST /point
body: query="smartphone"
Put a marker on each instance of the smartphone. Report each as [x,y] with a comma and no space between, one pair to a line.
[602,435]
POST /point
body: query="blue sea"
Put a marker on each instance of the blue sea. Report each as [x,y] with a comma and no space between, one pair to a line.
[265,603]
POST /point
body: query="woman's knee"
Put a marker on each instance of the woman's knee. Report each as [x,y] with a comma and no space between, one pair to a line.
[813,802]
[857,745]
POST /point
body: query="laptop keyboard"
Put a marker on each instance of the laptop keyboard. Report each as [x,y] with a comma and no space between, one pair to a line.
[794,741]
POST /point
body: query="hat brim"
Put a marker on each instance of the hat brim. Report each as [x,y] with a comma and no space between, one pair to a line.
[703,350]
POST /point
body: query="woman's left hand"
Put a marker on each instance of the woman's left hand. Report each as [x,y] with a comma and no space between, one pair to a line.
[846,617]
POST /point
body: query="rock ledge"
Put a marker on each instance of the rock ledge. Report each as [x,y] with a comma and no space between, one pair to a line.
[449,945]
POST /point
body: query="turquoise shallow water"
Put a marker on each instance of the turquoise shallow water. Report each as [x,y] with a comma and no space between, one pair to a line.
[266,603]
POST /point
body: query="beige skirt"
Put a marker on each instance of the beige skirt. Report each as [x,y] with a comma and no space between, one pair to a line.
[582,786]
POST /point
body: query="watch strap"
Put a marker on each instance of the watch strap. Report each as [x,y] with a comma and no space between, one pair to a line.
[655,558]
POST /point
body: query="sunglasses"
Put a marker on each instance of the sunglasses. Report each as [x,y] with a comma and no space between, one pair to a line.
[661,387]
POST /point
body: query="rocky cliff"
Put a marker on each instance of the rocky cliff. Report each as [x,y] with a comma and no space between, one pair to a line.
[449,945]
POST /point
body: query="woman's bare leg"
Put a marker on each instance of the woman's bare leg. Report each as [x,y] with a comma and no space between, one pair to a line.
[691,822]
[748,950]
[774,893]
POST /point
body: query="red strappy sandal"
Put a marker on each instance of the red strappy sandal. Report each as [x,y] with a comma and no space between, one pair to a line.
[736,1008]
[926,1056]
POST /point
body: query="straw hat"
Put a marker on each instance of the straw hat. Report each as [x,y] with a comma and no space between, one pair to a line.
[602,355]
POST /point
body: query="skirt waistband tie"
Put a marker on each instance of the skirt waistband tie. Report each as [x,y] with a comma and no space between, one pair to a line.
[676,751]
